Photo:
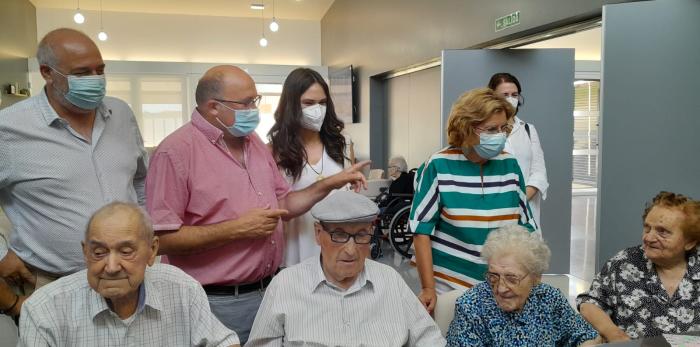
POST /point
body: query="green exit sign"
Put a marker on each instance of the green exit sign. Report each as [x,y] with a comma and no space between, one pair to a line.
[508,21]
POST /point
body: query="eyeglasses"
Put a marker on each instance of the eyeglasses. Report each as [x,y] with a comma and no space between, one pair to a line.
[361,238]
[509,281]
[247,103]
[495,130]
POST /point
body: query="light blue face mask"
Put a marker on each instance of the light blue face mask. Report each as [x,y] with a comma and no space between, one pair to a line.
[245,123]
[85,92]
[490,145]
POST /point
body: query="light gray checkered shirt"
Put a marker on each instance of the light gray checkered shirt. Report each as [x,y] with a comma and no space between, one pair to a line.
[301,308]
[52,180]
[175,312]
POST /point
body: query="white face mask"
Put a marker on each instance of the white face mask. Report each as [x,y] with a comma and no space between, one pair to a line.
[513,101]
[313,116]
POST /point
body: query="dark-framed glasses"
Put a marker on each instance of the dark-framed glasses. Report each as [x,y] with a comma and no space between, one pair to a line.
[363,237]
[252,102]
[509,280]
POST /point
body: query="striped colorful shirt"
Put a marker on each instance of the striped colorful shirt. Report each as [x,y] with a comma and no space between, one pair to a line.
[458,203]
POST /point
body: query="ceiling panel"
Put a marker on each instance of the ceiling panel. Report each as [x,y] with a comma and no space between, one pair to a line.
[284,9]
[586,43]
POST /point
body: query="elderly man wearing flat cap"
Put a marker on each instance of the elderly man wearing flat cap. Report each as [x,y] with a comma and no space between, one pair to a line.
[341,298]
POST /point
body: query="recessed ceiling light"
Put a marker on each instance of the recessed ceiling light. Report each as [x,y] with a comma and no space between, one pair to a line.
[257,6]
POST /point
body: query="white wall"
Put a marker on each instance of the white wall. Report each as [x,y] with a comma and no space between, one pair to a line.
[413,116]
[185,38]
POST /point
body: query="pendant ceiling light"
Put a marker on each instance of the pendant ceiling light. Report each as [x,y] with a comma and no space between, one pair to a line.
[274,26]
[78,17]
[102,36]
[263,40]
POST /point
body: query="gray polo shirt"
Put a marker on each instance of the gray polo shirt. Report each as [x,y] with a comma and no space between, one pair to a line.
[52,179]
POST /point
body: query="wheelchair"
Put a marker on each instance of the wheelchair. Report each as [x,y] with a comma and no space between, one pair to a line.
[392,223]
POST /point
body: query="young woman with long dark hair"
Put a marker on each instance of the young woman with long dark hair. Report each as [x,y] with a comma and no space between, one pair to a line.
[308,145]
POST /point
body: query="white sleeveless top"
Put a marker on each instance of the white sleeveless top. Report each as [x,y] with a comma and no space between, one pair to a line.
[299,232]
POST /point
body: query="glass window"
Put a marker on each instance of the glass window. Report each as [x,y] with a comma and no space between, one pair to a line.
[270,98]
[160,103]
[586,120]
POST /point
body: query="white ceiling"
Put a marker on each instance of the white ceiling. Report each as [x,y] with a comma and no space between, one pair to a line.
[587,44]
[284,9]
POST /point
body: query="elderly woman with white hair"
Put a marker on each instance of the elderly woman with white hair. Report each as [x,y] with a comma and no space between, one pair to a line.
[513,307]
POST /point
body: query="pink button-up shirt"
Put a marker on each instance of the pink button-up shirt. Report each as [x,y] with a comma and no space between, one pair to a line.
[193,180]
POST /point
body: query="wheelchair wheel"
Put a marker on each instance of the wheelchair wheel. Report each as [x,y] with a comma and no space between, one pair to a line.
[375,246]
[400,234]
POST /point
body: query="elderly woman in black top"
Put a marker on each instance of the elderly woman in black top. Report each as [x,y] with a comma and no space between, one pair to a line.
[654,288]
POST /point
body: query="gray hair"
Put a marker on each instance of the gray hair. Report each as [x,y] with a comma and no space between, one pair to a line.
[208,87]
[144,220]
[399,162]
[44,52]
[529,248]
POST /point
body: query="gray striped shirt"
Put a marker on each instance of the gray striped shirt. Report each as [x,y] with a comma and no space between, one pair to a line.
[301,308]
[52,180]
[173,311]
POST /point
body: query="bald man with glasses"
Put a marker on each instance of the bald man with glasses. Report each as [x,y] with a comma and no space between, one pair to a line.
[217,197]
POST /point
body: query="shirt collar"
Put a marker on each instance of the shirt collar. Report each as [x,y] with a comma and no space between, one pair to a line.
[693,264]
[98,304]
[50,115]
[517,124]
[320,279]
[530,305]
[212,133]
[152,299]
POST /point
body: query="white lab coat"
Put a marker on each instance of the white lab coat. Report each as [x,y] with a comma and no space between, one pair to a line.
[528,152]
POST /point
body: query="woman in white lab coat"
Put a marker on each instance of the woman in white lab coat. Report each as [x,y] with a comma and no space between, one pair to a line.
[524,143]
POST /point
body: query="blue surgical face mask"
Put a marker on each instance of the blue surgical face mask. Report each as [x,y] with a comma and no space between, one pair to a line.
[85,92]
[245,121]
[490,145]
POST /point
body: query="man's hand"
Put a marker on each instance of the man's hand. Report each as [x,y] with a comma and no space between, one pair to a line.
[352,175]
[13,270]
[428,298]
[259,222]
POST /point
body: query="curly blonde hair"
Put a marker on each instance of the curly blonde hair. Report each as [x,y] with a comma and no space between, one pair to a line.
[689,207]
[472,108]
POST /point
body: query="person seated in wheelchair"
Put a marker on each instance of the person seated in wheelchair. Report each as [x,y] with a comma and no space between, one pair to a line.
[400,190]
[340,298]
[402,178]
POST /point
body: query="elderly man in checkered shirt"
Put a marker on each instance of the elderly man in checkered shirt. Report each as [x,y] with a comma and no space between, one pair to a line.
[122,298]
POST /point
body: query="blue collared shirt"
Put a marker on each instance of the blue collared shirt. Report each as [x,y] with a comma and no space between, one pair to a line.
[546,320]
[52,179]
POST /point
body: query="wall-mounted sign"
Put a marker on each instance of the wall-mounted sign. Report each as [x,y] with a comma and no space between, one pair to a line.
[508,21]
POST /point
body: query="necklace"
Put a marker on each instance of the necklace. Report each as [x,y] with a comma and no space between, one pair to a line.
[319,174]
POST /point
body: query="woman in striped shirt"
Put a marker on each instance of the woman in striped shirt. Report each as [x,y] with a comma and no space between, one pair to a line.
[465,191]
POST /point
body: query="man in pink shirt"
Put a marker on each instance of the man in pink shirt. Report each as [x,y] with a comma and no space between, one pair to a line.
[216,197]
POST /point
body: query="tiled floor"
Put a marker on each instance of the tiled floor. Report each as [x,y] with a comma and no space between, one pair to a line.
[583,220]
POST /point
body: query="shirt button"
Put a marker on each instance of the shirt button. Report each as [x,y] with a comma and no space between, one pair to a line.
[273,242]
[259,193]
[269,265]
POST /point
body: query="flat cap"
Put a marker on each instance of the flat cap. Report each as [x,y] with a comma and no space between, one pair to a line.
[345,207]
